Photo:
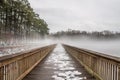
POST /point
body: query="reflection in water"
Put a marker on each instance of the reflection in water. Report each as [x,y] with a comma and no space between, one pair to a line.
[63,65]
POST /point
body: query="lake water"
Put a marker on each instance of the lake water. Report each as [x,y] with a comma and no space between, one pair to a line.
[110,47]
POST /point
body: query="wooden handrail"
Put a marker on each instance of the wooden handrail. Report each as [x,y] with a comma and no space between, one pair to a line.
[17,66]
[102,66]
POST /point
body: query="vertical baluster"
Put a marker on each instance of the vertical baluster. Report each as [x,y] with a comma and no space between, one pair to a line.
[1,73]
[8,71]
[108,70]
[100,67]
[112,72]
[115,72]
[119,72]
[4,73]
[104,70]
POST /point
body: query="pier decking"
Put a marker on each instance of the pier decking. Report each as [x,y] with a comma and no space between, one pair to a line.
[59,65]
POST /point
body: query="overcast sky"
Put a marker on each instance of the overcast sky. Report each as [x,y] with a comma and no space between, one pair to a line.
[89,15]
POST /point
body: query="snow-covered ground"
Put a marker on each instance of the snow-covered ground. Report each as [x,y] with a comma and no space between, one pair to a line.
[7,49]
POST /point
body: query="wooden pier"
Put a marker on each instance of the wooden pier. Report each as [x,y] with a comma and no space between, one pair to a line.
[70,63]
[59,66]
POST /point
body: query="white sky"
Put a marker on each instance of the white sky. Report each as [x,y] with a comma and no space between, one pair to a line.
[89,15]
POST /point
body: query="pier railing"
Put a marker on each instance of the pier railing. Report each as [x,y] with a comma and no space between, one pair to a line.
[17,66]
[103,67]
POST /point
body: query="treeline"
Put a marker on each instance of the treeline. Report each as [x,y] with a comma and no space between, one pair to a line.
[18,19]
[94,34]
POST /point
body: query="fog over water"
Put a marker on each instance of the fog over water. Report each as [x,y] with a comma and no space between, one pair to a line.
[107,46]
[110,47]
